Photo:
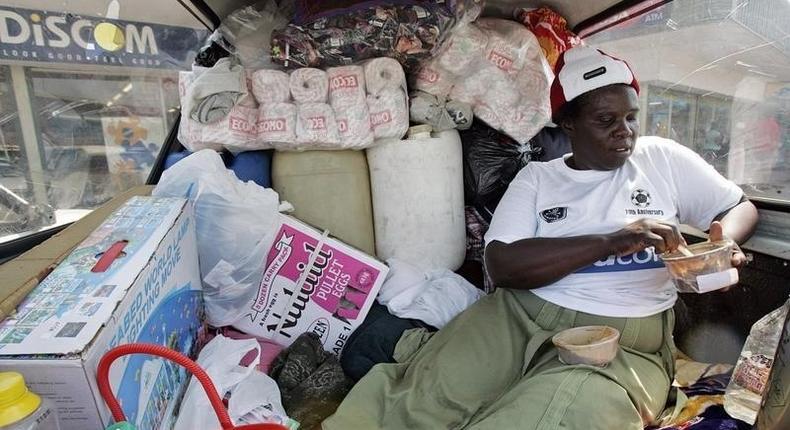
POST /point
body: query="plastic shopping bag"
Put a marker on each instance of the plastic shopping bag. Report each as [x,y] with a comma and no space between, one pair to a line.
[254,396]
[236,222]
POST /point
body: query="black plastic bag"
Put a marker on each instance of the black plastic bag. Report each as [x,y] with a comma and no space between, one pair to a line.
[491,161]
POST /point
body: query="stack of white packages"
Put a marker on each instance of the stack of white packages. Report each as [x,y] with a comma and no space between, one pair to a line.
[276,115]
[344,107]
[387,102]
[498,67]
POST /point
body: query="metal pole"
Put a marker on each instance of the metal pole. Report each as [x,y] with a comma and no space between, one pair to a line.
[27,123]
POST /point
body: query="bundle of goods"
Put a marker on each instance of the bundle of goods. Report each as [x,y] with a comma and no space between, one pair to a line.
[497,67]
[342,108]
[217,109]
[341,32]
[551,29]
[491,161]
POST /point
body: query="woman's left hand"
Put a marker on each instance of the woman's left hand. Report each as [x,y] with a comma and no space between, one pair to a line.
[715,234]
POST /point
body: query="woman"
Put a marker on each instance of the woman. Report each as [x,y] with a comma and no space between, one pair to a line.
[573,242]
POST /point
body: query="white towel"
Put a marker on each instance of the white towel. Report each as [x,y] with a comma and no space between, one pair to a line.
[277,123]
[271,86]
[309,85]
[382,74]
[389,114]
[316,125]
[346,86]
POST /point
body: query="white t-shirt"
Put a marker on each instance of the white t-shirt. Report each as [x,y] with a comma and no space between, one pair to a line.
[662,180]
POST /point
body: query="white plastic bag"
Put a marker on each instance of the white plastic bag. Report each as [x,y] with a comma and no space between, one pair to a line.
[254,397]
[434,297]
[236,222]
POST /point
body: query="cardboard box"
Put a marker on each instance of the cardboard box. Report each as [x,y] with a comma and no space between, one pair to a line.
[20,275]
[149,293]
[335,294]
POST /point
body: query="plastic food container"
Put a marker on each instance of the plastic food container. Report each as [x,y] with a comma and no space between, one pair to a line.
[595,345]
[710,268]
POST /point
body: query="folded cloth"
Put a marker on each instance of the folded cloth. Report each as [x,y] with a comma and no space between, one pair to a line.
[389,115]
[271,86]
[316,125]
[311,381]
[374,341]
[384,74]
[425,108]
[277,123]
[435,298]
[214,91]
[309,85]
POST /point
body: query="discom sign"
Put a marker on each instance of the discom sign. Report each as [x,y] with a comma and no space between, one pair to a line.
[36,35]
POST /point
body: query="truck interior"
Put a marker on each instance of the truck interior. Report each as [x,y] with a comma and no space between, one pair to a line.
[715,76]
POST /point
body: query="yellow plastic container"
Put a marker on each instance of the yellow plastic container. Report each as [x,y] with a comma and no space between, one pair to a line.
[20,408]
[329,190]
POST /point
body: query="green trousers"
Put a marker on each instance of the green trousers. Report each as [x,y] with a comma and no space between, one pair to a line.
[494,368]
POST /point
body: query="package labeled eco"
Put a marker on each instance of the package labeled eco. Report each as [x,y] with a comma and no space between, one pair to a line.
[497,67]
[312,283]
[134,279]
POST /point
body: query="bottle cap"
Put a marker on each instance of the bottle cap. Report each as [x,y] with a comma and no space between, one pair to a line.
[16,401]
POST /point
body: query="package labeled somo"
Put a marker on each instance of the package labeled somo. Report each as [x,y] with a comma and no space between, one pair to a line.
[312,283]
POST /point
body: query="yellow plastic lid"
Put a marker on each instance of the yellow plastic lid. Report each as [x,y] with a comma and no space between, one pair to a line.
[16,401]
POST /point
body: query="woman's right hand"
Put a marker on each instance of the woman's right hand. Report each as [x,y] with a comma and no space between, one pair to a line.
[645,233]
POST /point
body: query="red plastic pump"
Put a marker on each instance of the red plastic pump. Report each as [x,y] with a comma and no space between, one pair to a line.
[103,380]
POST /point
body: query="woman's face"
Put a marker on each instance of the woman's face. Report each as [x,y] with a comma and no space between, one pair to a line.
[604,131]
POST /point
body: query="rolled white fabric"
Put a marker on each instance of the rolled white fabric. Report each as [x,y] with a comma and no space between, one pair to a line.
[353,126]
[271,86]
[464,50]
[309,85]
[382,74]
[434,80]
[346,86]
[316,125]
[277,123]
[389,114]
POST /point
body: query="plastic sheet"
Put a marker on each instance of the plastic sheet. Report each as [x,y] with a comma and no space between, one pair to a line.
[246,32]
[491,161]
[236,222]
[340,32]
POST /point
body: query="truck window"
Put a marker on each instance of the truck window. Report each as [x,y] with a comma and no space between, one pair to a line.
[715,76]
[88,93]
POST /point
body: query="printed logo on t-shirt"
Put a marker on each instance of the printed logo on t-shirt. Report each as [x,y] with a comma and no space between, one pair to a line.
[641,199]
[554,214]
[644,259]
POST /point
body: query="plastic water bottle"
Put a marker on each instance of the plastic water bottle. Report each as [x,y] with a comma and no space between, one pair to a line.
[21,409]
